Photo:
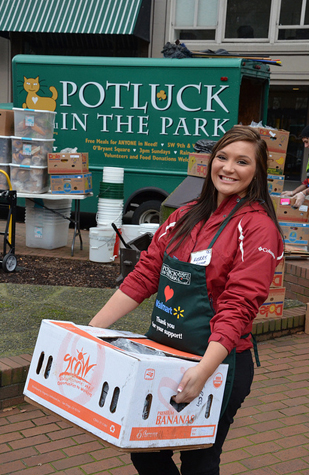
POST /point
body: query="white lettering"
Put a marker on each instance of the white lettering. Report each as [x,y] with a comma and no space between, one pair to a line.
[117,92]
[215,97]
[101,94]
[179,97]
[154,95]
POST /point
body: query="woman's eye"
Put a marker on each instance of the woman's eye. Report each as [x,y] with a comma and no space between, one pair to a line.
[221,157]
[242,162]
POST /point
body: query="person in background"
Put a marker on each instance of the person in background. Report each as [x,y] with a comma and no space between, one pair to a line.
[301,191]
[224,248]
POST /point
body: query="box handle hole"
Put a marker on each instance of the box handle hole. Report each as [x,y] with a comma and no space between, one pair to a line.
[147,406]
[180,406]
[115,398]
[40,363]
[104,393]
[48,367]
[208,405]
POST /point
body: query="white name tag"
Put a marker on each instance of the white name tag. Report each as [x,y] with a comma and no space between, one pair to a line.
[201,258]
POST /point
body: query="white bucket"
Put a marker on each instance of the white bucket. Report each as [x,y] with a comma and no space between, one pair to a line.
[149,228]
[133,231]
[113,175]
[101,244]
[110,203]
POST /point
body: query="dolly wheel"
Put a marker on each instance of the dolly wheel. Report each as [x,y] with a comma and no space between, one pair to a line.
[9,263]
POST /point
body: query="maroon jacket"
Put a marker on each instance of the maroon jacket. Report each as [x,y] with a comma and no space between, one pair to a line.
[240,272]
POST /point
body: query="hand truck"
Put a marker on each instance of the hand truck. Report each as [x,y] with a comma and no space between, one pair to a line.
[9,198]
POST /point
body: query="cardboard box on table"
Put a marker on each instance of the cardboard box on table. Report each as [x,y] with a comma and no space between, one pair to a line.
[295,234]
[273,305]
[71,184]
[67,163]
[275,184]
[119,395]
[285,211]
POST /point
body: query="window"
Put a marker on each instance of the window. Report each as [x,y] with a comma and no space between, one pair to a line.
[247,19]
[240,21]
[196,19]
[294,20]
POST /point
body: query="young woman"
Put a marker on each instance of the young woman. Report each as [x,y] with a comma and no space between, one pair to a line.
[214,259]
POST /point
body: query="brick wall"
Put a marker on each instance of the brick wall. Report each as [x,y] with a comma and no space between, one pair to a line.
[13,374]
[296,281]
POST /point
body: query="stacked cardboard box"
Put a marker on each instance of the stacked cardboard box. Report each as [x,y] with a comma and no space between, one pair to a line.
[69,173]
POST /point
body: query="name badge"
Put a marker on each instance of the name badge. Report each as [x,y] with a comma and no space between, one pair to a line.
[201,258]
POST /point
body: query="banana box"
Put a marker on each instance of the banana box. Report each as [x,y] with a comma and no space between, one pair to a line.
[273,305]
[276,163]
[296,234]
[286,212]
[119,387]
[279,274]
[276,140]
[275,184]
[198,164]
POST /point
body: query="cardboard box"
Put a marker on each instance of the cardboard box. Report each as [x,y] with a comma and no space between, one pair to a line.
[198,164]
[71,184]
[279,275]
[120,395]
[273,305]
[67,163]
[295,234]
[276,140]
[275,184]
[285,211]
[6,122]
[276,163]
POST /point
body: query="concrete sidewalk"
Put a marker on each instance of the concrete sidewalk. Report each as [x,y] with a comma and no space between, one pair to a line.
[270,435]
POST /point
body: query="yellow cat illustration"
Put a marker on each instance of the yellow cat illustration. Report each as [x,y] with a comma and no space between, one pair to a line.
[33,101]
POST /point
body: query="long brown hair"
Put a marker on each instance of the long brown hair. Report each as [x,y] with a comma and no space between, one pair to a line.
[206,203]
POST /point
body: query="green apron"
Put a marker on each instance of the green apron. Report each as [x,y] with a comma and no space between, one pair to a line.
[182,311]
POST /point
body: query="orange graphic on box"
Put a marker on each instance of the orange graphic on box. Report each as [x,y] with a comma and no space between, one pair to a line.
[275,309]
[66,404]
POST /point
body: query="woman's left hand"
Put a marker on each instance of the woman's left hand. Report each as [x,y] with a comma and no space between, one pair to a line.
[195,378]
[191,385]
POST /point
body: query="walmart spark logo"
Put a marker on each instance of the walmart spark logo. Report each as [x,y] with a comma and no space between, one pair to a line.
[178,312]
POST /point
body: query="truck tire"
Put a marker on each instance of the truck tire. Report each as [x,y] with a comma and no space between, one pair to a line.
[147,212]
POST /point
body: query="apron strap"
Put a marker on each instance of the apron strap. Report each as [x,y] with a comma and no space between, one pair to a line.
[255,348]
[227,219]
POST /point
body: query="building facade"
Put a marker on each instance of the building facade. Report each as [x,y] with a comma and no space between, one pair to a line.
[278,29]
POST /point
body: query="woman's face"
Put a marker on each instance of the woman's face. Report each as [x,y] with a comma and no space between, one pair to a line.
[233,169]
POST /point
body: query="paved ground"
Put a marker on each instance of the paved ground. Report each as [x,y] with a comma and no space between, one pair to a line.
[270,435]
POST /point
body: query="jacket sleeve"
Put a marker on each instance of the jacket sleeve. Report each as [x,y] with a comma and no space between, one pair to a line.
[259,250]
[143,281]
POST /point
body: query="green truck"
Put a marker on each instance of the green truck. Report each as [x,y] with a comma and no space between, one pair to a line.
[141,114]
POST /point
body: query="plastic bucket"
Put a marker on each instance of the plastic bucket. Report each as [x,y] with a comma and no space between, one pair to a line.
[113,174]
[133,231]
[101,244]
[110,203]
[149,228]
[129,232]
